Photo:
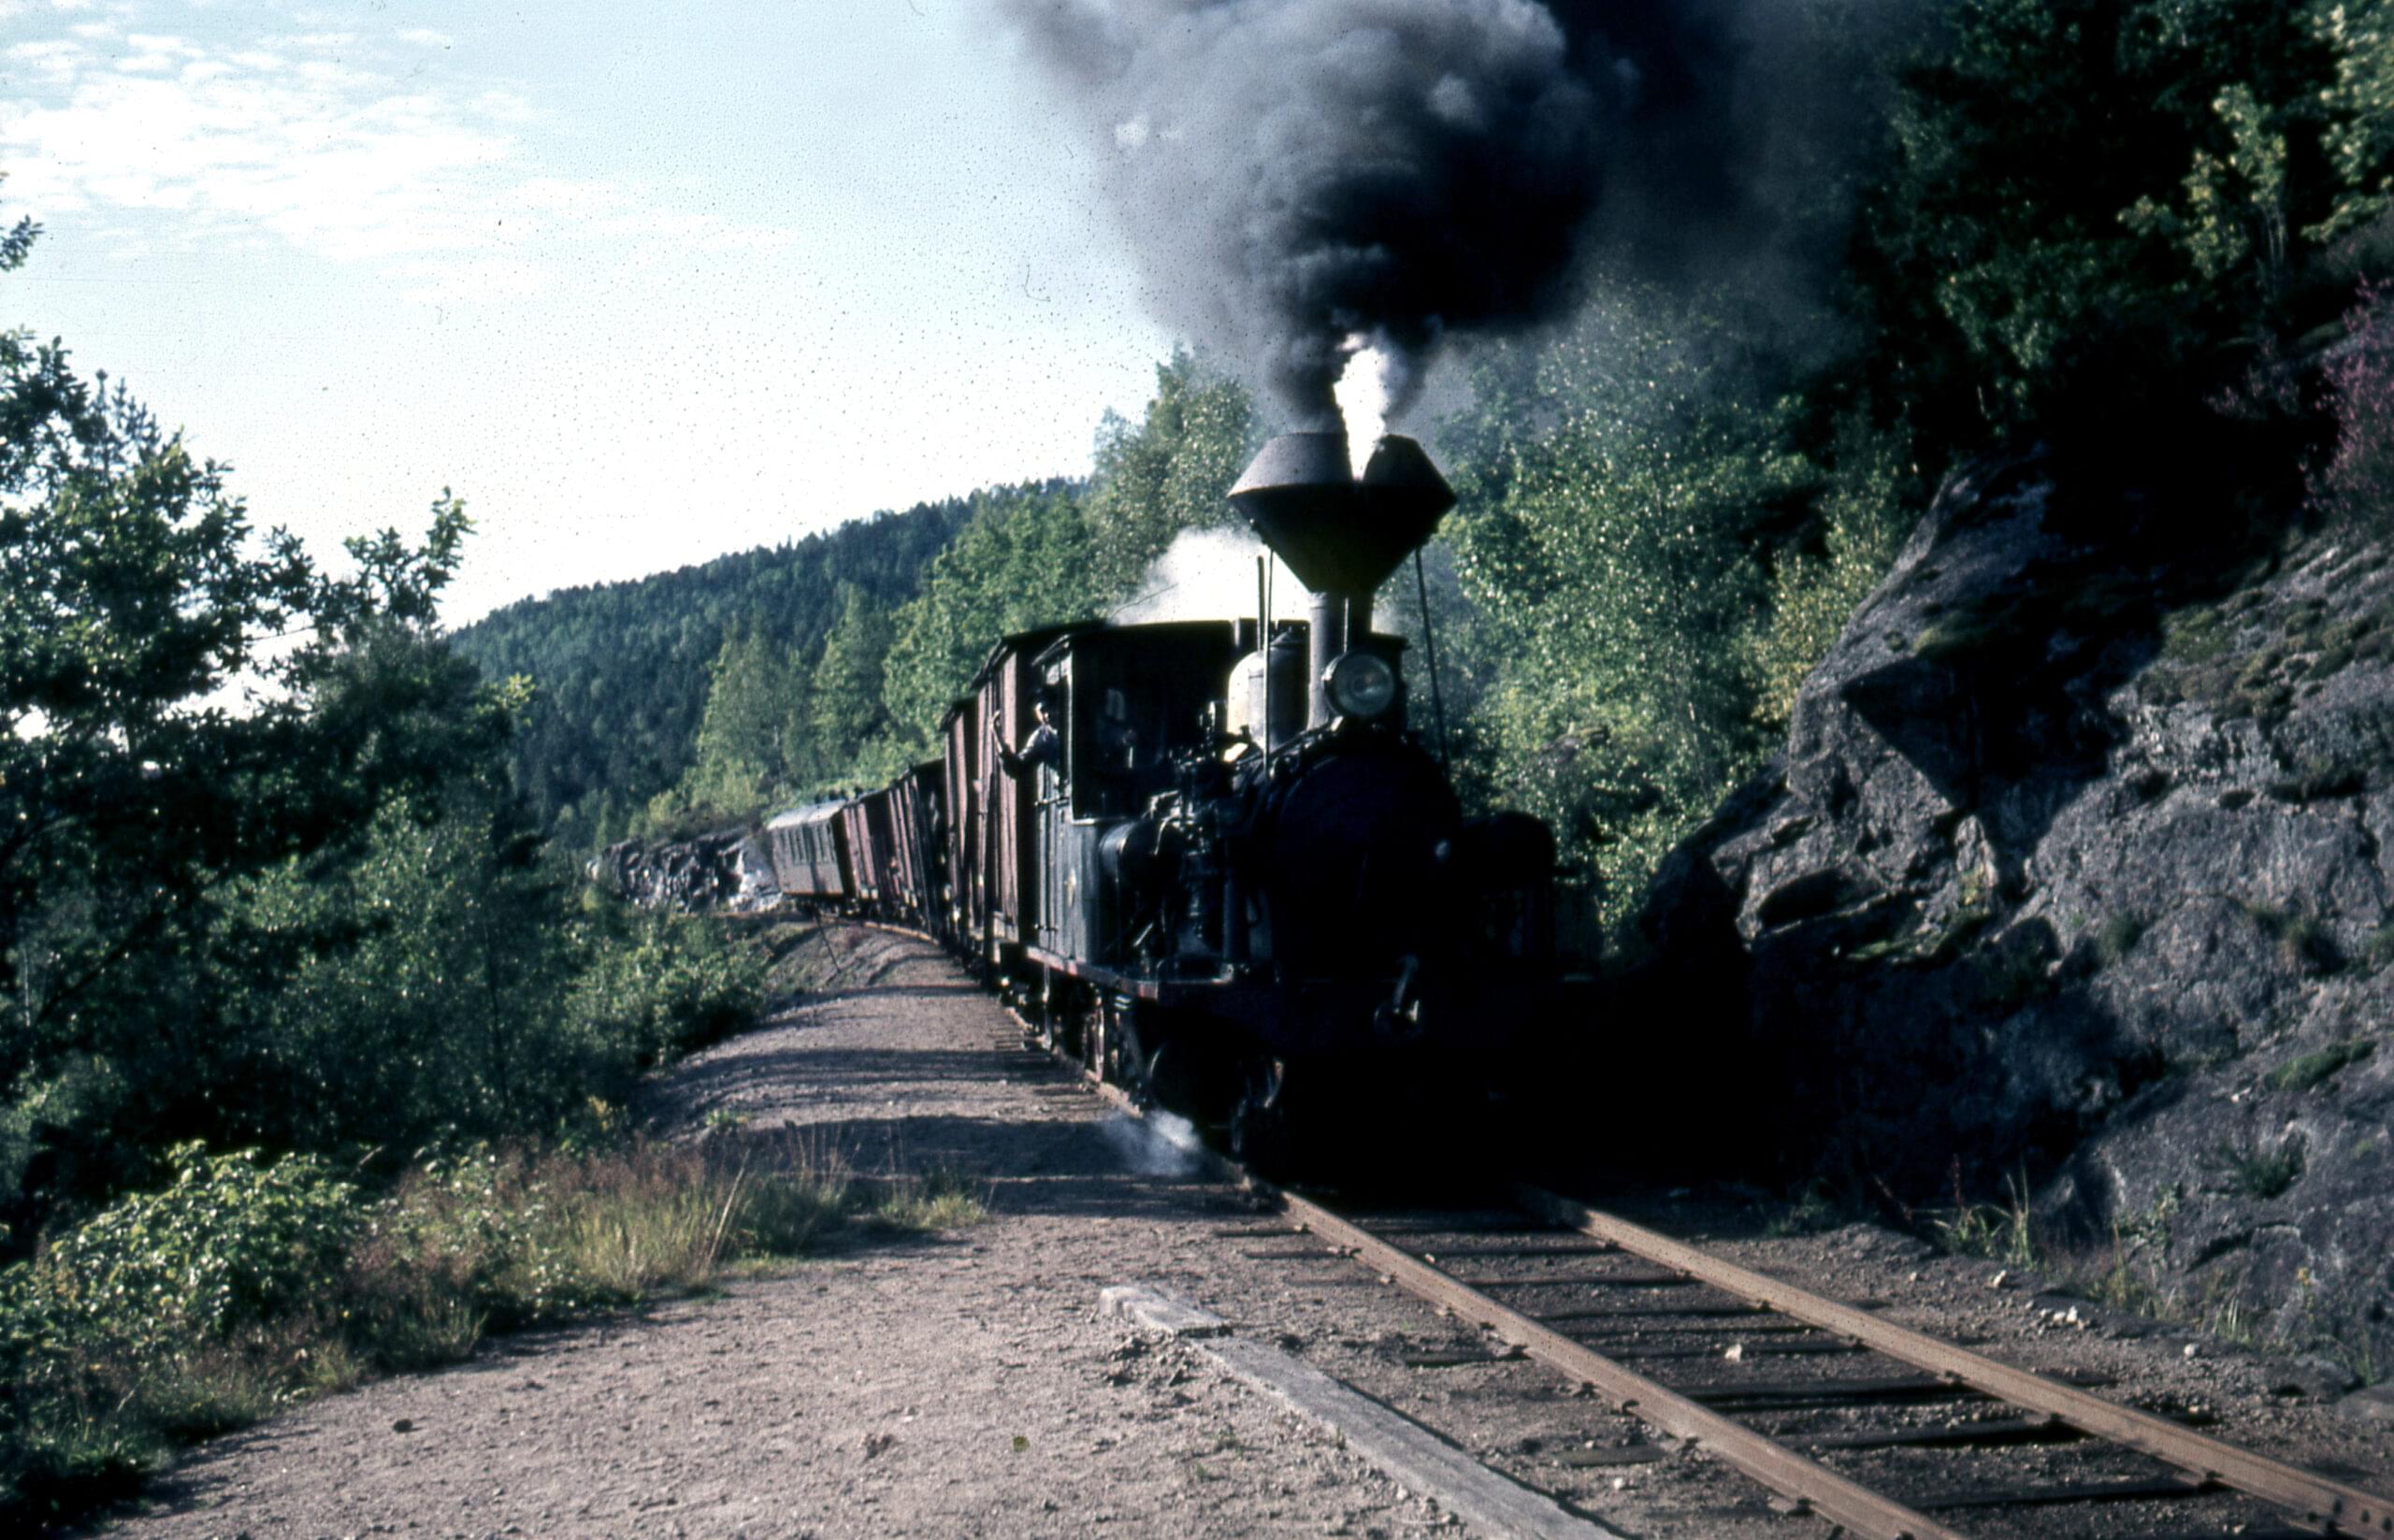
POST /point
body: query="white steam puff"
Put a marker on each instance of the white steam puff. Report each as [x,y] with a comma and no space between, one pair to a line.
[1368,389]
[1161,1143]
[1209,574]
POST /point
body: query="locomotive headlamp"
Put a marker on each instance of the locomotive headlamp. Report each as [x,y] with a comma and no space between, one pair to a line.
[1361,684]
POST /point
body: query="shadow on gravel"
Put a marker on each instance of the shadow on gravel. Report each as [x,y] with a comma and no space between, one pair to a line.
[838,1074]
[1032,1168]
[869,990]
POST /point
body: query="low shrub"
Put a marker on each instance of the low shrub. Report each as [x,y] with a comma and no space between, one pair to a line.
[2357,485]
[233,1242]
[665,985]
[245,1284]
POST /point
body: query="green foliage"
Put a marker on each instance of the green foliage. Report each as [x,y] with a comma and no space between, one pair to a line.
[1024,561]
[316,923]
[1171,472]
[753,690]
[756,737]
[938,1199]
[2359,131]
[248,1283]
[1653,563]
[235,1242]
[2004,1232]
[130,1330]
[2085,200]
[145,815]
[1862,513]
[653,987]
[847,710]
[133,602]
[1594,553]
[2262,1174]
[419,997]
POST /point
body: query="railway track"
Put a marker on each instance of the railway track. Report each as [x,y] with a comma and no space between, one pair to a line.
[1816,1399]
[1876,1429]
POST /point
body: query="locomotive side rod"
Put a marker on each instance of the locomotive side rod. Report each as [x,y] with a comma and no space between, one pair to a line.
[1776,1466]
[2344,1509]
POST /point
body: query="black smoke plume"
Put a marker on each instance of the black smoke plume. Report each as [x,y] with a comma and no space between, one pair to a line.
[1299,173]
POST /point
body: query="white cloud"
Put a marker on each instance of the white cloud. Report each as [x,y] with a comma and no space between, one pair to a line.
[51,62]
[315,42]
[425,38]
[311,141]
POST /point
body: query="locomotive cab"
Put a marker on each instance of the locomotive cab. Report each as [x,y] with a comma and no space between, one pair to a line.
[1129,704]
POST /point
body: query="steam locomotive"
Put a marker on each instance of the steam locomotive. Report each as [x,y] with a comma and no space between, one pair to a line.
[1209,859]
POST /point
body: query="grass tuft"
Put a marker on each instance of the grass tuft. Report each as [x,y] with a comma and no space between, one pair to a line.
[940,1199]
[2118,936]
[2004,1232]
[2301,1074]
[2263,1173]
[2304,942]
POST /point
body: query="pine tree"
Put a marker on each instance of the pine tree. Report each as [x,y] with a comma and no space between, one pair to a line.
[847,709]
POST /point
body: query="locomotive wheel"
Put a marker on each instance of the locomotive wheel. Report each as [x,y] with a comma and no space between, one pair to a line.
[1262,1137]
[1186,1075]
[1061,1028]
[1093,1028]
[1127,1058]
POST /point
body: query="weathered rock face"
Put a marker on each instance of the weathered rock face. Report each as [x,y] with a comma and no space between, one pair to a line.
[726,871]
[2074,865]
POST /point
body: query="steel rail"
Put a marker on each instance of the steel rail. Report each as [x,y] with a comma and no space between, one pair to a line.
[1775,1465]
[2318,1500]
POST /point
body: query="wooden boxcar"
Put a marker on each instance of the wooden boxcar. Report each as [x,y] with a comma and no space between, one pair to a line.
[809,854]
[866,820]
[1006,813]
[916,871]
[968,901]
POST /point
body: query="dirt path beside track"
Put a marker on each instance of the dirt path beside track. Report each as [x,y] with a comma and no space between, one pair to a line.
[956,1385]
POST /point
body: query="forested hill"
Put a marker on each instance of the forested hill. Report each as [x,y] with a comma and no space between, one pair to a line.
[706,696]
[619,669]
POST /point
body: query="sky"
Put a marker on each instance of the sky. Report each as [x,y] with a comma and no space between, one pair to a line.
[644,285]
